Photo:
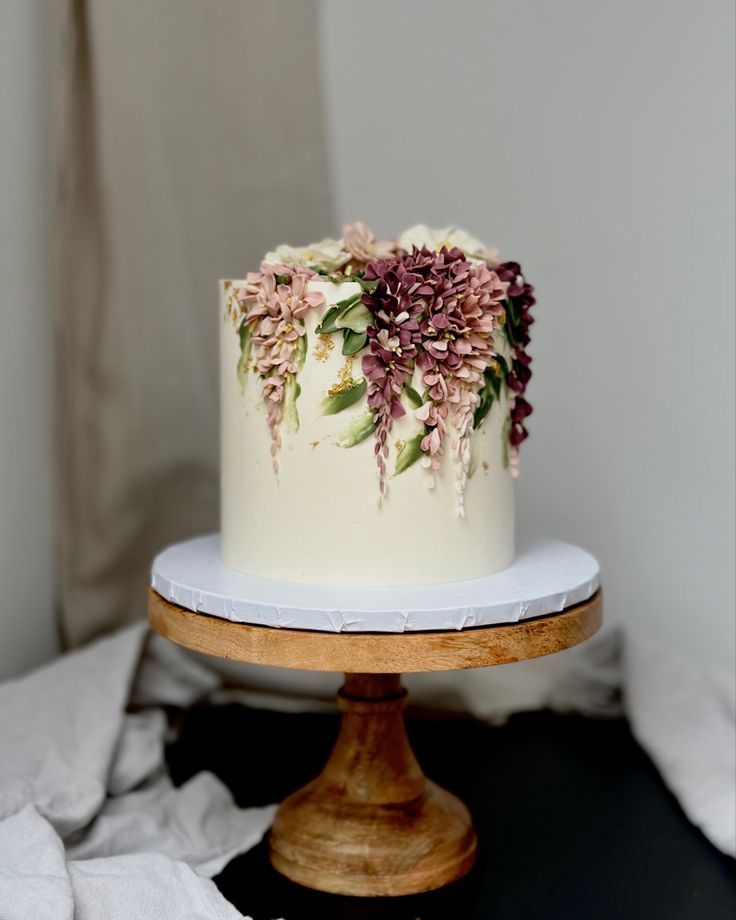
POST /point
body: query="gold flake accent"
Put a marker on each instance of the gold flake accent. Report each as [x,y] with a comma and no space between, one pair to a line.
[315,443]
[486,467]
[323,348]
[399,445]
[233,308]
[346,378]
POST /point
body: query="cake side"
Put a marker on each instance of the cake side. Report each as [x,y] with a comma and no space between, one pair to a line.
[355,449]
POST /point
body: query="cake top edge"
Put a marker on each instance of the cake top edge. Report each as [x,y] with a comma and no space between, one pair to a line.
[358,246]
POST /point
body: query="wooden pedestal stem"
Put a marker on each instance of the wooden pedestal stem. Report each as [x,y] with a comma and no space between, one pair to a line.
[372,823]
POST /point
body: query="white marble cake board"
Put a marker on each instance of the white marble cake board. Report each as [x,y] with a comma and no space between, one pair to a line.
[546,577]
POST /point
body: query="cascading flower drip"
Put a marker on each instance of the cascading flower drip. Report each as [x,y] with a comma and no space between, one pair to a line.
[440,329]
[521,299]
[437,311]
[480,310]
[395,305]
[457,347]
[274,302]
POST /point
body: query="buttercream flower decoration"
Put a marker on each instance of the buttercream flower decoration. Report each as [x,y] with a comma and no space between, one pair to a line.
[448,237]
[438,322]
[273,336]
[521,299]
[363,247]
[288,256]
[436,312]
[457,347]
[327,255]
[395,305]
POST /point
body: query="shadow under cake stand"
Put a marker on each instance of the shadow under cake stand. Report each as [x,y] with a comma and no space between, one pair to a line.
[372,823]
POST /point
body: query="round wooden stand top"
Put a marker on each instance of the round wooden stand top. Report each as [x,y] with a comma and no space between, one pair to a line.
[376,653]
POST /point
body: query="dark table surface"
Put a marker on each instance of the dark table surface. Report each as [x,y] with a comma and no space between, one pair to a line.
[572,818]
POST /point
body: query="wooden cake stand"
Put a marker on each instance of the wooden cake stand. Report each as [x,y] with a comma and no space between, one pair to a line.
[372,823]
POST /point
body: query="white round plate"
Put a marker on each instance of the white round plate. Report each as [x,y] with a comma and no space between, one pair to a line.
[546,577]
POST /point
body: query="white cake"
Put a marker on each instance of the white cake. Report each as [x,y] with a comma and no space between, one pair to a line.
[324,480]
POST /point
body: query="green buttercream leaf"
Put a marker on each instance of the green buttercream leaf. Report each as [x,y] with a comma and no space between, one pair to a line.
[292,391]
[473,466]
[409,453]
[301,351]
[512,326]
[356,317]
[361,428]
[347,303]
[494,380]
[367,286]
[345,314]
[327,326]
[331,405]
[245,333]
[414,398]
[484,406]
[354,341]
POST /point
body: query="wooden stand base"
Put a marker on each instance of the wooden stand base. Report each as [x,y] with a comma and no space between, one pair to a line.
[372,823]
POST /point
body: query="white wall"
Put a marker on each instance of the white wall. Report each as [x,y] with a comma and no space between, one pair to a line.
[27,631]
[592,141]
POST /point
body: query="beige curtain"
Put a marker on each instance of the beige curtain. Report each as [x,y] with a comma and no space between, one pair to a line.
[193,142]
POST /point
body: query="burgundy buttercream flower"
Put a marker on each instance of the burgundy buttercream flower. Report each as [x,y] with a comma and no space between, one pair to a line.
[436,311]
[521,295]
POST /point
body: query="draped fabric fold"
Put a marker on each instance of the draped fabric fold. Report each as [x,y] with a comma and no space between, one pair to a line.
[193,141]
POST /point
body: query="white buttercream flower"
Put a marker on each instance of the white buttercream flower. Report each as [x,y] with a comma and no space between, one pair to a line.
[328,255]
[436,239]
[284,255]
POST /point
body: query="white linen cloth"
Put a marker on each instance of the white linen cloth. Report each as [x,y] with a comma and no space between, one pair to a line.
[682,714]
[91,827]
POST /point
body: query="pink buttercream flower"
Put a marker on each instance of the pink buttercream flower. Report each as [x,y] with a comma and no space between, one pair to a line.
[363,246]
[275,301]
[456,347]
[434,416]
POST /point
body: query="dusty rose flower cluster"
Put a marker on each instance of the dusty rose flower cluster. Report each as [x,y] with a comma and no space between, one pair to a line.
[363,247]
[275,301]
